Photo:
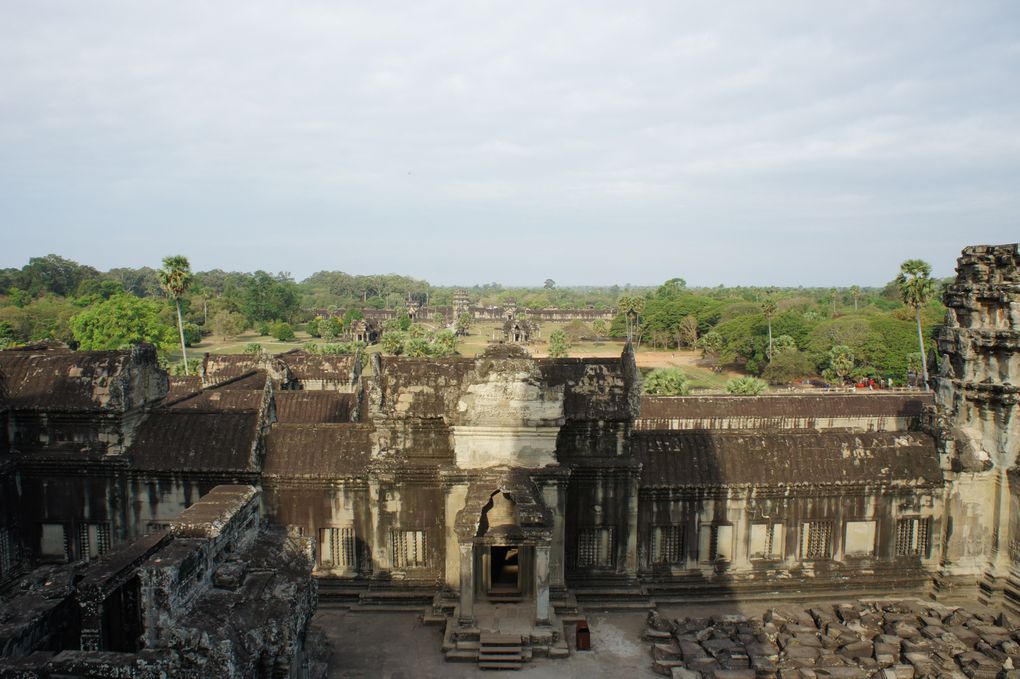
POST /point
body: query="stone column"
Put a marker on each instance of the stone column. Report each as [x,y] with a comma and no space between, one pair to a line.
[467,583]
[554,495]
[631,562]
[542,584]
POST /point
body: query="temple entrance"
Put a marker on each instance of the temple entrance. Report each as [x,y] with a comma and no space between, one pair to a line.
[505,570]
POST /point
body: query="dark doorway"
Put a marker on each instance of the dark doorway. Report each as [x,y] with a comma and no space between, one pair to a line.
[505,573]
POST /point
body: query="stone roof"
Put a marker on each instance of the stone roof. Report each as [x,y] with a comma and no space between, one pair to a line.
[314,407]
[197,441]
[219,368]
[708,459]
[318,450]
[220,399]
[800,406]
[181,386]
[307,366]
[62,380]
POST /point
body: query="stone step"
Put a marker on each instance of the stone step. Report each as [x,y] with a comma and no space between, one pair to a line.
[499,666]
[493,639]
[461,656]
[503,653]
[500,651]
[385,608]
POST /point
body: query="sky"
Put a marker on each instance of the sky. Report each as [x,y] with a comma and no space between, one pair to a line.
[760,143]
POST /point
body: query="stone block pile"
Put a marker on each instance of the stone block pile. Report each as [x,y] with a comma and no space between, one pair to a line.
[885,640]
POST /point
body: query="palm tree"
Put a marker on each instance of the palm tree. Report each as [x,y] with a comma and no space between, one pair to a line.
[768,307]
[917,287]
[832,295]
[855,292]
[175,279]
[631,308]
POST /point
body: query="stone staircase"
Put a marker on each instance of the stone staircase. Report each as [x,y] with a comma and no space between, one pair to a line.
[499,651]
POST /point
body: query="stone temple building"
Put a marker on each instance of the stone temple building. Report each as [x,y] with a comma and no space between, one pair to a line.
[460,485]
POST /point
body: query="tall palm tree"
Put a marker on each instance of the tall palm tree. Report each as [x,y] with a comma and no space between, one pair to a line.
[855,292]
[768,307]
[175,279]
[917,287]
[833,293]
[631,308]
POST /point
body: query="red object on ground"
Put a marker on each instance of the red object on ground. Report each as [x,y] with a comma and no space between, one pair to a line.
[583,636]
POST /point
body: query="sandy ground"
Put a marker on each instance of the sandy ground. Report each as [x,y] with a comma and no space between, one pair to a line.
[397,646]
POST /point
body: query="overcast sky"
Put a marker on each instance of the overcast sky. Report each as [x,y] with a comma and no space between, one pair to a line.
[783,143]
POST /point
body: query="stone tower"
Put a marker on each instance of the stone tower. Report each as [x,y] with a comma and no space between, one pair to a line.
[461,304]
[977,388]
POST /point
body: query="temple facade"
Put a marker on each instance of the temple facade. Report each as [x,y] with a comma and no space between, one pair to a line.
[463,483]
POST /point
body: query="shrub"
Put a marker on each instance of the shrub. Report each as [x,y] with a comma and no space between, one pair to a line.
[192,334]
[282,331]
[666,382]
[330,328]
[746,386]
[559,347]
[253,348]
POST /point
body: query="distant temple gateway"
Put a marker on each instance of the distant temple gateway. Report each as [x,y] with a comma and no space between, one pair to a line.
[463,484]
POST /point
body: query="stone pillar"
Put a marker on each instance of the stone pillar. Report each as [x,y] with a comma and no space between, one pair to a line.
[542,584]
[467,583]
[554,494]
[631,563]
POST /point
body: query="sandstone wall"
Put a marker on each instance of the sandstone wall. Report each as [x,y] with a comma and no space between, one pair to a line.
[979,423]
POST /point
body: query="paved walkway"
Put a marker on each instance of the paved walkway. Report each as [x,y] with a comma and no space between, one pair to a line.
[397,646]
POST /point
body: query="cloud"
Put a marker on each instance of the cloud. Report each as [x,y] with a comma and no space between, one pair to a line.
[787,143]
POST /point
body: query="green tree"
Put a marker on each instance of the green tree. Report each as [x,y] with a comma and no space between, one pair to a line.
[916,288]
[783,344]
[228,324]
[687,331]
[263,297]
[330,328]
[253,348]
[787,365]
[549,284]
[392,342]
[417,347]
[631,307]
[464,323]
[666,382]
[559,347]
[444,343]
[120,322]
[600,327]
[746,386]
[841,364]
[7,337]
[192,334]
[54,274]
[855,294]
[711,345]
[19,298]
[175,279]
[768,309]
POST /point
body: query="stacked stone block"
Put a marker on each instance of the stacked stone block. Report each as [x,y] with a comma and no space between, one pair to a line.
[889,640]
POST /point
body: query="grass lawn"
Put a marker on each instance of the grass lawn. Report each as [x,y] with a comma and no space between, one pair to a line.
[235,345]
